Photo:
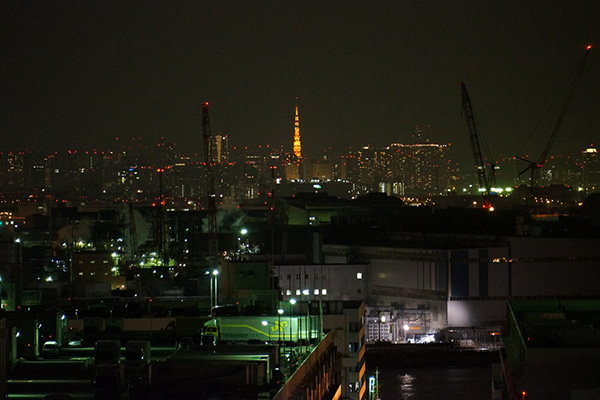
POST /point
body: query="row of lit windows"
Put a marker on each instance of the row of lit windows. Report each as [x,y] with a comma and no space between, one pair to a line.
[508,298]
[523,259]
[91,273]
[306,292]
[359,275]
[93,261]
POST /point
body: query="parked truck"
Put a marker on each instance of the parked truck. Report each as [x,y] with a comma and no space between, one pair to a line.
[249,329]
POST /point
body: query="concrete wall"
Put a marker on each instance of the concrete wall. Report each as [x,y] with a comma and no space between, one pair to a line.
[467,313]
[341,281]
[552,266]
[414,274]
[483,280]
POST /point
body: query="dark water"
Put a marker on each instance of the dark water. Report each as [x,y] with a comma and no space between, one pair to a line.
[432,383]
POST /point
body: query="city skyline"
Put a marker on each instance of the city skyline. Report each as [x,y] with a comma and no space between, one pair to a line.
[364,73]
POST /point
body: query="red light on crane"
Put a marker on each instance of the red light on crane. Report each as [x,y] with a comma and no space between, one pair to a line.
[588,47]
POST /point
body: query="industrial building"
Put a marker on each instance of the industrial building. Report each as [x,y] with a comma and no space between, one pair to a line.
[552,349]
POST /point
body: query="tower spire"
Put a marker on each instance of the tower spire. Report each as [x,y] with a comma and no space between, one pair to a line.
[297,145]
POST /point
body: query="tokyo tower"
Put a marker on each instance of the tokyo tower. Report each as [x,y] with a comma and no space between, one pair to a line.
[297,145]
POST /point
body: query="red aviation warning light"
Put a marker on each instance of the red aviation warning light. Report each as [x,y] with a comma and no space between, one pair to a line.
[589,46]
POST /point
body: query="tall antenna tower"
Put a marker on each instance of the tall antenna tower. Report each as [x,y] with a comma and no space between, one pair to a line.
[297,145]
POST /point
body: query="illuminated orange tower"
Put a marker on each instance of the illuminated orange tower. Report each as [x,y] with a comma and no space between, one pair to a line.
[297,145]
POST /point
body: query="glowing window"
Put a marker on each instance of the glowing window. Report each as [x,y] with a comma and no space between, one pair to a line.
[359,275]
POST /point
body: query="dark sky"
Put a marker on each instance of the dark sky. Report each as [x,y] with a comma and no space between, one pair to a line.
[80,73]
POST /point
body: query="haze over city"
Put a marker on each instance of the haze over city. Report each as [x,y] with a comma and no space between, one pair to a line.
[365,73]
[350,223]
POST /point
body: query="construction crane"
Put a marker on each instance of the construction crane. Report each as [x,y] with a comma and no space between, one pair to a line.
[485,180]
[213,243]
[535,166]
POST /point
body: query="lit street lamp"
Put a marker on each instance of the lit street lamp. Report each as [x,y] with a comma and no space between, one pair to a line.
[214,294]
[279,329]
[216,275]
[292,302]
[307,326]
[266,323]
[280,312]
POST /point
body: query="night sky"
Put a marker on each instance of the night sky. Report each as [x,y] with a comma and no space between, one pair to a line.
[80,73]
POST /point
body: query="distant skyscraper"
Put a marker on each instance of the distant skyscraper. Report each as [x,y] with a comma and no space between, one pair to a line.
[591,169]
[221,148]
[297,145]
[413,169]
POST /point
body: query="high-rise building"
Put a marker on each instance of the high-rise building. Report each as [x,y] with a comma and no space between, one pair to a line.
[413,169]
[591,169]
[221,148]
[12,166]
[426,168]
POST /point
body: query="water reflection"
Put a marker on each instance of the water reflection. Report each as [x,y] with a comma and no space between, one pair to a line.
[407,389]
[434,383]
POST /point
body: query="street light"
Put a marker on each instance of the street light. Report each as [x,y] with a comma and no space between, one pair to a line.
[292,302]
[280,312]
[279,328]
[213,281]
[216,275]
[307,326]
[266,323]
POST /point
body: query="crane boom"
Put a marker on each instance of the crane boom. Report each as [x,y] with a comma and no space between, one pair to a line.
[210,187]
[533,166]
[484,180]
[542,159]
